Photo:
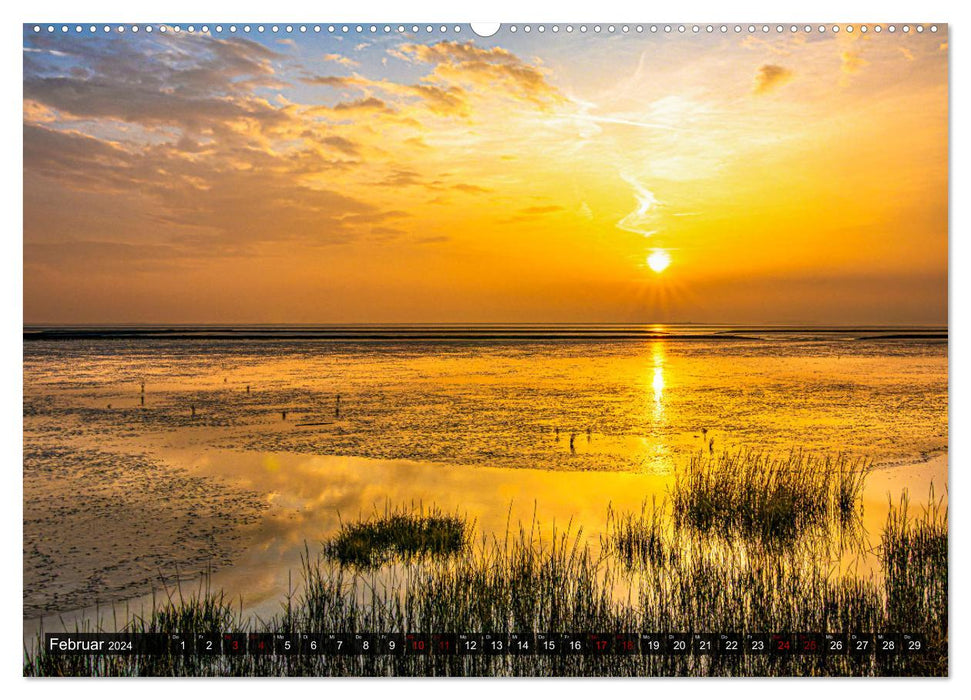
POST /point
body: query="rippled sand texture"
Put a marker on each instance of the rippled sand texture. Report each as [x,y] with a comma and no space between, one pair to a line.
[99,525]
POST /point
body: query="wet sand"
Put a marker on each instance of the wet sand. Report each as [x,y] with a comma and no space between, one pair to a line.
[101,525]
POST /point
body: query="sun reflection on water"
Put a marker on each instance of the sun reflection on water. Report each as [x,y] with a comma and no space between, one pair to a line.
[657,383]
[655,439]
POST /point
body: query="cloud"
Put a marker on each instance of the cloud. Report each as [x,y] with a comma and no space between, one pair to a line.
[402,178]
[365,104]
[438,99]
[469,65]
[442,100]
[196,147]
[342,60]
[471,189]
[38,113]
[460,74]
[342,144]
[852,61]
[192,82]
[338,81]
[179,130]
[203,203]
[643,219]
[770,76]
[778,46]
[535,212]
[103,99]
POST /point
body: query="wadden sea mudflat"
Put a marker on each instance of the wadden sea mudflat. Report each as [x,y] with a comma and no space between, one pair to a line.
[238,463]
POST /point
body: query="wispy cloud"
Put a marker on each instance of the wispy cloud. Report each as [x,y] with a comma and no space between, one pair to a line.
[342,60]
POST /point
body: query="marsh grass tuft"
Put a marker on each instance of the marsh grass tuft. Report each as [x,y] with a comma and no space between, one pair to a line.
[913,552]
[637,539]
[756,494]
[398,534]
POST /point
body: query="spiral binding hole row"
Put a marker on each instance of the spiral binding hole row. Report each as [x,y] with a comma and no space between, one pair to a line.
[458,29]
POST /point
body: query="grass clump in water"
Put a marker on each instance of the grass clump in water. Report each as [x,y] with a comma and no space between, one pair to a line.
[398,535]
[637,540]
[755,494]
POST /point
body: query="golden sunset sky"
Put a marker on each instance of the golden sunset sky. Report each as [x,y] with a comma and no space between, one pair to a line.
[317,178]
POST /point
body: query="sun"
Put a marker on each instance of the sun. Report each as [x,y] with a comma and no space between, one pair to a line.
[659,260]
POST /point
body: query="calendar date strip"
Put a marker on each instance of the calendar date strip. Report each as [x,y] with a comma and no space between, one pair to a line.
[591,644]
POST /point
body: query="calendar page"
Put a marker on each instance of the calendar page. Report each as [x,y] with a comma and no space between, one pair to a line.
[436,349]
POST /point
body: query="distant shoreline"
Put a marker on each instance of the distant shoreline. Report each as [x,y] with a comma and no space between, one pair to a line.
[483,332]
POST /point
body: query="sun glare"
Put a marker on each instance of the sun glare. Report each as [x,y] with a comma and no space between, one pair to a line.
[659,260]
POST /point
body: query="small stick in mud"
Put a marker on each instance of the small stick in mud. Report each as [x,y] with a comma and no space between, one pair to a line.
[193,409]
[247,388]
[337,407]
[283,414]
[573,449]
